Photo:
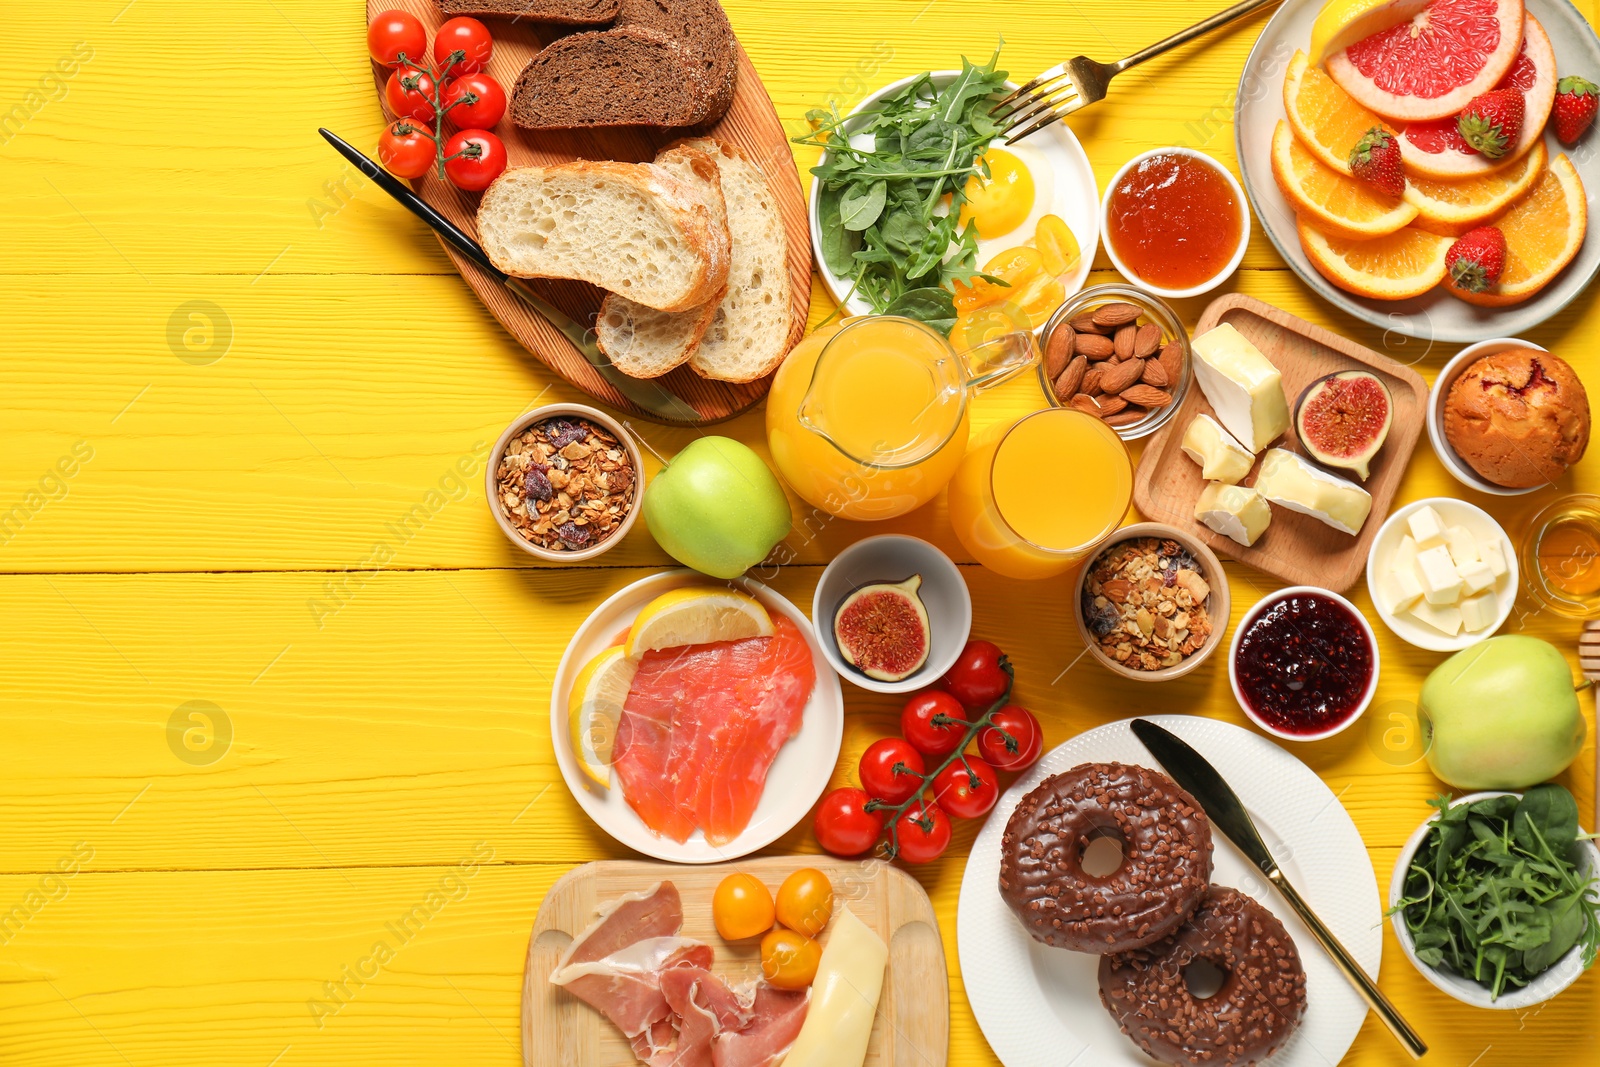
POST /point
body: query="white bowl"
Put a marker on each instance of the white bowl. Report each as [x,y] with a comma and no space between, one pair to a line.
[1244,224]
[1545,985]
[1455,513]
[1249,620]
[894,558]
[1436,400]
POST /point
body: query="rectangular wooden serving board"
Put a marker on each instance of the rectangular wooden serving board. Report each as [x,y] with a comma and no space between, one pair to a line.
[912,1028]
[1296,548]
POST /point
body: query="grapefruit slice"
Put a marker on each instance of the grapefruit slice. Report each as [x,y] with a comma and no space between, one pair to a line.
[1453,208]
[1435,149]
[1338,204]
[1324,118]
[1344,22]
[1543,231]
[1432,65]
[1404,264]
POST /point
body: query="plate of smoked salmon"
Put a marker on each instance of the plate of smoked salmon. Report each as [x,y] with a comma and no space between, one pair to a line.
[696,720]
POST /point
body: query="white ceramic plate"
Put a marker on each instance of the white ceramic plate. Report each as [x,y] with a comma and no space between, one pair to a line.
[1040,1006]
[794,782]
[1435,316]
[1074,197]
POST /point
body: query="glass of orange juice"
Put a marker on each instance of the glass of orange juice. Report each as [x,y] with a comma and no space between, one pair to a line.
[1030,500]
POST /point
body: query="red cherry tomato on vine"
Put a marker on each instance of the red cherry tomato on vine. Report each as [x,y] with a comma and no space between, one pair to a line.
[393,32]
[1024,746]
[967,789]
[409,94]
[462,35]
[927,736]
[481,113]
[843,824]
[976,678]
[921,843]
[406,149]
[474,170]
[879,776]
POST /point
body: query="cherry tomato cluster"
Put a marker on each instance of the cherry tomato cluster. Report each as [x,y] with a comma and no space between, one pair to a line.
[969,709]
[423,95]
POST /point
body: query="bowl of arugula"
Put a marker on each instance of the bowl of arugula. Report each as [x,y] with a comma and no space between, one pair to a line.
[887,196]
[1494,898]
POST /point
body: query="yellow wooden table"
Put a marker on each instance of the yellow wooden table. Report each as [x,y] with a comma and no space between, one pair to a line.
[270,677]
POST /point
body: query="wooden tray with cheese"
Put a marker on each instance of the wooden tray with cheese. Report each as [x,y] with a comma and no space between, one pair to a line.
[1299,549]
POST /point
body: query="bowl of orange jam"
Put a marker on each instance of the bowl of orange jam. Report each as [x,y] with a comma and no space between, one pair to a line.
[1175,221]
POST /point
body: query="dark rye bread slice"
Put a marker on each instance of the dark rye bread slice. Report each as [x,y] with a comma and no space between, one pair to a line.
[701,27]
[568,12]
[627,77]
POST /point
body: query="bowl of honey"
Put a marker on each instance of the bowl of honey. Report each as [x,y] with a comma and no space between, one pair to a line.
[1175,222]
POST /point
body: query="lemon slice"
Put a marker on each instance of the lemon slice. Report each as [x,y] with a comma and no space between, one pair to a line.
[1344,22]
[696,617]
[595,708]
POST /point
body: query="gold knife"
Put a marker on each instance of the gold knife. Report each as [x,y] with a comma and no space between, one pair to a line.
[1191,770]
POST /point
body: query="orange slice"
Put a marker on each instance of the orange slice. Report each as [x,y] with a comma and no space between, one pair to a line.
[1544,230]
[1404,264]
[1336,203]
[1453,208]
[1325,117]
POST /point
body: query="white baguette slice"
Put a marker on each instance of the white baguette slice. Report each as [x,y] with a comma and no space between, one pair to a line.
[641,341]
[632,228]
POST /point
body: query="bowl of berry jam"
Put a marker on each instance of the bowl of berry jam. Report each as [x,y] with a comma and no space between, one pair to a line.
[1303,663]
[1175,221]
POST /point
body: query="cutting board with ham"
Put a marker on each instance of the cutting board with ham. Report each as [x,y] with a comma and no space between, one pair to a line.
[912,1023]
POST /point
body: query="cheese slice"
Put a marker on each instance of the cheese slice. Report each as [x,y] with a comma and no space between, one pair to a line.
[1475,577]
[1463,546]
[1221,458]
[1400,589]
[1445,618]
[1426,527]
[1494,554]
[1405,557]
[1441,582]
[1242,385]
[1291,481]
[844,997]
[1479,612]
[1235,511]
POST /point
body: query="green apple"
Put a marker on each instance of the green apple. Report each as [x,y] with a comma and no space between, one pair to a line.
[717,508]
[1502,715]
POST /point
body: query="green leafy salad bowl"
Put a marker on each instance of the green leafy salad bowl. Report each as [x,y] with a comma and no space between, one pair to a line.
[1494,898]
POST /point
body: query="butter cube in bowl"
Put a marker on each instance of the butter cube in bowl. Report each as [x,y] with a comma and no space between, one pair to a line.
[1442,574]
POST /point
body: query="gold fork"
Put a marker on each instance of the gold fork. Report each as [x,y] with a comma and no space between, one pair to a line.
[1080,81]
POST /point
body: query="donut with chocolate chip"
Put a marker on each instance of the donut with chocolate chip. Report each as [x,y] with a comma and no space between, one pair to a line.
[1165,867]
[1258,1005]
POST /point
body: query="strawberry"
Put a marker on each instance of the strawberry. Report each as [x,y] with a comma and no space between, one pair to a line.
[1576,99]
[1492,122]
[1475,261]
[1376,160]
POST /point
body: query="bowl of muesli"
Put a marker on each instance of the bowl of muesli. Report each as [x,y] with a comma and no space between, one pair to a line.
[1152,602]
[564,482]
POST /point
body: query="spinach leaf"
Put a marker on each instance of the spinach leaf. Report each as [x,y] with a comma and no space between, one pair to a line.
[929,304]
[1566,926]
[1551,811]
[839,245]
[860,206]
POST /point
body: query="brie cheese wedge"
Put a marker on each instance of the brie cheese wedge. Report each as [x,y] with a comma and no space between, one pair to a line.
[1242,385]
[1292,482]
[1221,458]
[1235,511]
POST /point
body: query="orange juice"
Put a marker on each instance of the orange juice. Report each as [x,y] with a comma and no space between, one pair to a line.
[1031,499]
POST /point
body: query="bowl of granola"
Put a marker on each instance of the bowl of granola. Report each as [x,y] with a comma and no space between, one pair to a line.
[1152,602]
[564,482]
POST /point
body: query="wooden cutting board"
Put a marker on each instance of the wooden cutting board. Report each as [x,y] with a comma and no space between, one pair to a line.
[751,123]
[1296,548]
[912,1028]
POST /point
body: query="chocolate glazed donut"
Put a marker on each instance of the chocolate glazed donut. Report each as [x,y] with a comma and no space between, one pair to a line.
[1260,1002]
[1166,858]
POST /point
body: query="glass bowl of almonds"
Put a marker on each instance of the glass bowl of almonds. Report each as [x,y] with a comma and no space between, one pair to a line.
[564,482]
[1117,352]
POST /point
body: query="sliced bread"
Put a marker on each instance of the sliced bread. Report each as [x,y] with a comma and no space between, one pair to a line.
[641,341]
[701,27]
[568,12]
[634,76]
[632,228]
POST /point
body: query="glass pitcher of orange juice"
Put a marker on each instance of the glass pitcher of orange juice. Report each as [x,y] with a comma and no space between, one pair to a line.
[1032,498]
[868,419]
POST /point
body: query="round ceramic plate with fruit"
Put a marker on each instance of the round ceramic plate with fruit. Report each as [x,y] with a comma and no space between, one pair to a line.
[1446,201]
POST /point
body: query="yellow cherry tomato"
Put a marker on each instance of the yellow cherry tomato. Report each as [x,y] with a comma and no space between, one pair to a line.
[976,295]
[805,901]
[741,907]
[1058,248]
[1041,296]
[1016,265]
[789,960]
[1001,202]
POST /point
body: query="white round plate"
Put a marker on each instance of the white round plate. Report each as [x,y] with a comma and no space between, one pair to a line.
[1074,197]
[1434,316]
[1040,1006]
[794,782]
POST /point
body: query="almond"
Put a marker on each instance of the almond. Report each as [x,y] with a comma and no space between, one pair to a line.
[1118,376]
[1172,361]
[1147,340]
[1122,340]
[1114,315]
[1127,416]
[1091,379]
[1155,374]
[1085,324]
[1058,351]
[1110,405]
[1146,396]
[1094,346]
[1085,404]
[1071,377]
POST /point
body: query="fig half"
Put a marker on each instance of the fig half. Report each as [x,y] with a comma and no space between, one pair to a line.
[1343,419]
[882,629]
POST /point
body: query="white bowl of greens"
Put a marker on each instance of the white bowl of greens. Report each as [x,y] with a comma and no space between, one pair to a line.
[903,223]
[1515,863]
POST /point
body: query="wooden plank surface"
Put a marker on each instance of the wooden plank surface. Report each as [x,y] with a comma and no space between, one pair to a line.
[232,487]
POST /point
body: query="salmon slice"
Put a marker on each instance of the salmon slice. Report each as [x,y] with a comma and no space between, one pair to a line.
[702,725]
